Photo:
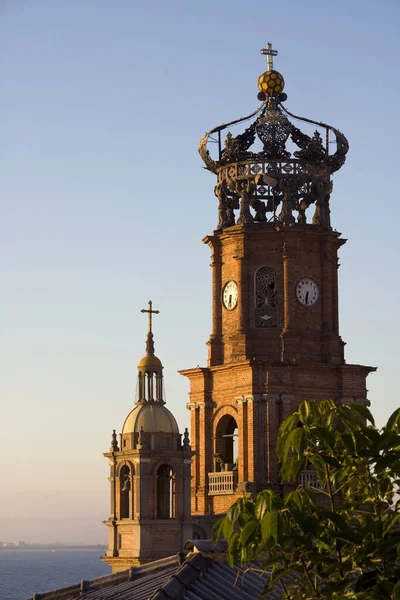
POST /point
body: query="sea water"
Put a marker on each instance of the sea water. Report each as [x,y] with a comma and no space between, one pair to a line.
[24,572]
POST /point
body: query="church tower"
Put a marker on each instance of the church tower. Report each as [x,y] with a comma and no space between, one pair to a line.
[275,330]
[149,475]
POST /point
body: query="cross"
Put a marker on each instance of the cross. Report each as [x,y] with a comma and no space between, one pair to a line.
[269,53]
[151,312]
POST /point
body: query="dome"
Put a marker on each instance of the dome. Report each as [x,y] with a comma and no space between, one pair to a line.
[153,417]
[150,360]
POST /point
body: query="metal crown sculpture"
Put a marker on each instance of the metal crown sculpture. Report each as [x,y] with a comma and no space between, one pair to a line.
[273,184]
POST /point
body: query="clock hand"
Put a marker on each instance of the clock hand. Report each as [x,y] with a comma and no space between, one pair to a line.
[307,298]
[230,300]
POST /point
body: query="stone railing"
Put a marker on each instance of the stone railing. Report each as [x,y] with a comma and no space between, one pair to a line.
[309,477]
[222,482]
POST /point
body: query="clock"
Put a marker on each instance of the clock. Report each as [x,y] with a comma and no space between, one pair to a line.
[230,295]
[307,291]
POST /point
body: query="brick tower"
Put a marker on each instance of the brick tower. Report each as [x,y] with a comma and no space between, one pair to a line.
[149,475]
[275,332]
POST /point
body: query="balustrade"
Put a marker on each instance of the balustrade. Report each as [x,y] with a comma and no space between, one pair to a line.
[222,482]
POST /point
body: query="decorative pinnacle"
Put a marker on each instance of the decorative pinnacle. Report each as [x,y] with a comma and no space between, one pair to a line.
[149,340]
[114,443]
[269,53]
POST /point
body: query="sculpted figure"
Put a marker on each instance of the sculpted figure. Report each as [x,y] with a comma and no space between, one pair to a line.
[245,190]
[322,215]
[220,193]
[287,188]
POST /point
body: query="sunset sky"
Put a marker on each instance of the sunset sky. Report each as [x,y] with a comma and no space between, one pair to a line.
[104,203]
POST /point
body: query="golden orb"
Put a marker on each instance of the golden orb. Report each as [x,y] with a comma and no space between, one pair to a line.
[271,83]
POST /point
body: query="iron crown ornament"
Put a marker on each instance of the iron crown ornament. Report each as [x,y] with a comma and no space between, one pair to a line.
[273,171]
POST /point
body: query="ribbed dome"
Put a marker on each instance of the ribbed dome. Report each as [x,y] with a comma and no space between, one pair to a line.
[153,417]
[150,360]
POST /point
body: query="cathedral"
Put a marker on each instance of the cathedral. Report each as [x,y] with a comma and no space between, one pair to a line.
[274,339]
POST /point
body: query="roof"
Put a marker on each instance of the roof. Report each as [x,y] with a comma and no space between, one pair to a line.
[154,417]
[199,577]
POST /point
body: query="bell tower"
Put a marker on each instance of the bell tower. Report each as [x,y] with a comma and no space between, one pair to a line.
[149,474]
[275,328]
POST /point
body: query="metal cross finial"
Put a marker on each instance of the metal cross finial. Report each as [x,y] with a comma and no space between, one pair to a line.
[269,53]
[151,313]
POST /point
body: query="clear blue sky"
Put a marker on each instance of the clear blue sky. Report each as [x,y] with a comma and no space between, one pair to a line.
[104,203]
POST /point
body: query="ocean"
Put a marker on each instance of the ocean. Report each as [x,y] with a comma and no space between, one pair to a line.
[24,572]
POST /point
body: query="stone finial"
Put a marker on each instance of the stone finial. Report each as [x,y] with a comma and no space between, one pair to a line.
[186,441]
[114,442]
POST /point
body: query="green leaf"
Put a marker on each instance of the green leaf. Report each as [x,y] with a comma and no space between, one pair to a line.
[328,436]
[272,527]
[247,534]
[233,550]
[363,411]
[307,523]
[296,442]
[291,468]
[227,528]
[389,523]
[393,420]
[396,591]
[217,529]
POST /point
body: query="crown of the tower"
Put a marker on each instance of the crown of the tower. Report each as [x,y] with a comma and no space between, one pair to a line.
[273,171]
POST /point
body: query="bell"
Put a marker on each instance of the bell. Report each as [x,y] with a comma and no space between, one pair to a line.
[127,486]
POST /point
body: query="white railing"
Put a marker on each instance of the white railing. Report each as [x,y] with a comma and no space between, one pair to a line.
[309,477]
[223,482]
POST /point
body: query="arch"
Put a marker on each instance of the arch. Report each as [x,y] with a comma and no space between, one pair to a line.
[225,410]
[265,297]
[124,463]
[124,494]
[226,443]
[166,504]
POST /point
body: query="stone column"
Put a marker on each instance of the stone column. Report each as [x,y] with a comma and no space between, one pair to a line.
[243,439]
[243,292]
[288,257]
[145,495]
[195,467]
[288,336]
[113,537]
[205,446]
[215,351]
[186,488]
[326,287]
[256,442]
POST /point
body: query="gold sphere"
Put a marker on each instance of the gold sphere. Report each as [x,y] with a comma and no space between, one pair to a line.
[271,83]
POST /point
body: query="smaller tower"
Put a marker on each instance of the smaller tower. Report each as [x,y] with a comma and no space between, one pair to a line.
[149,475]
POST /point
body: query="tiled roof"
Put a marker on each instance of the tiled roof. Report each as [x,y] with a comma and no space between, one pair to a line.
[199,577]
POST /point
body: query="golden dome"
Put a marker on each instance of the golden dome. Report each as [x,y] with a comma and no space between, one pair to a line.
[150,361]
[153,417]
[271,83]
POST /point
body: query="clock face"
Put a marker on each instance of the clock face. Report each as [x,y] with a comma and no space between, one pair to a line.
[307,291]
[230,295]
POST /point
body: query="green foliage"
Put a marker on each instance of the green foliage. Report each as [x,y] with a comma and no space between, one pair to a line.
[342,538]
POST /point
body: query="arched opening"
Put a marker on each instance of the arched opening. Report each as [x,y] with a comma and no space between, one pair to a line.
[226,444]
[165,492]
[125,492]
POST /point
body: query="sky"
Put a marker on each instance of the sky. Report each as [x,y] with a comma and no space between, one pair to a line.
[104,203]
